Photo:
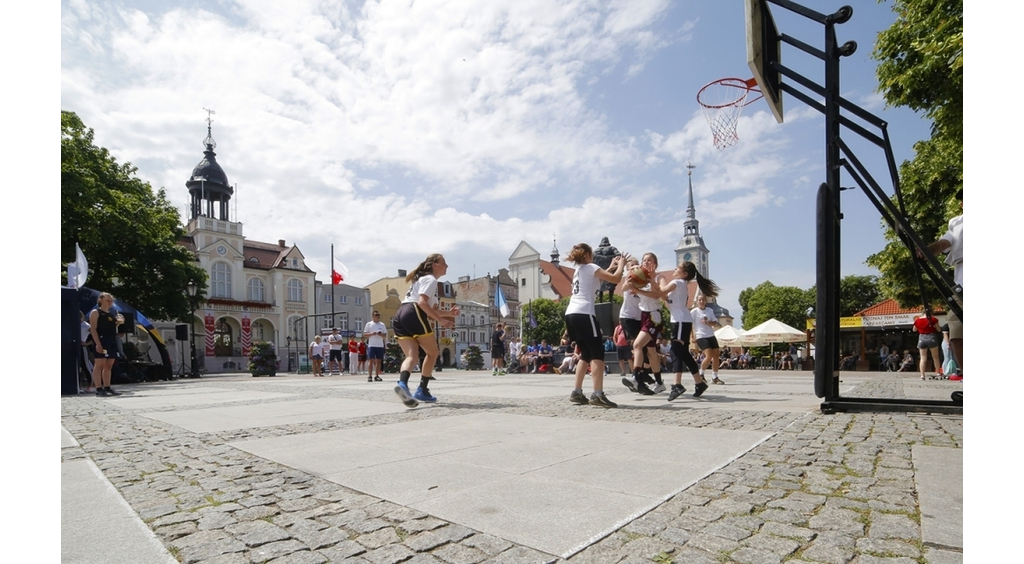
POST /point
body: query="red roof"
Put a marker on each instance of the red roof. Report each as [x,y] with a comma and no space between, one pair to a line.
[891,307]
[561,277]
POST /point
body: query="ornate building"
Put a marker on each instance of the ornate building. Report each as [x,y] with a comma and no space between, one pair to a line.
[691,245]
[257,291]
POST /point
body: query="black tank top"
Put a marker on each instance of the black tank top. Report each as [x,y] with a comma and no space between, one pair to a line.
[106,323]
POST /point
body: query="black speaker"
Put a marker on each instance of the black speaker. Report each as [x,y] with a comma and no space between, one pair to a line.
[181,332]
[129,322]
[70,337]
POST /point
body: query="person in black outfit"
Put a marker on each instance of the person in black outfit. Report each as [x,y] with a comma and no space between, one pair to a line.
[498,350]
[103,322]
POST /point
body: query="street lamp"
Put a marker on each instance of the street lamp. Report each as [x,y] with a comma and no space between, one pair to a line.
[192,288]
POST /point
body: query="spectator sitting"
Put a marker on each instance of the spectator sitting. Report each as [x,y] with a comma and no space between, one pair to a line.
[569,362]
[892,362]
[545,357]
[908,362]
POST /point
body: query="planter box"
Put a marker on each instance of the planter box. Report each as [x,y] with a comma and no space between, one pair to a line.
[263,373]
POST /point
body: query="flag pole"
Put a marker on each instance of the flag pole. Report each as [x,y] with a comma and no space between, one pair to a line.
[332,286]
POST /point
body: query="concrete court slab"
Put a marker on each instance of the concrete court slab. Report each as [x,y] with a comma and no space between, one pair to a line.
[221,418]
[552,484]
[146,398]
[98,525]
[66,438]
[939,477]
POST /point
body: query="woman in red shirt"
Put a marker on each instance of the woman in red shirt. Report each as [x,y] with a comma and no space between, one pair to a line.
[929,338]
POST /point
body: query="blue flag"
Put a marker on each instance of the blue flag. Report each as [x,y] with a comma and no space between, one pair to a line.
[499,300]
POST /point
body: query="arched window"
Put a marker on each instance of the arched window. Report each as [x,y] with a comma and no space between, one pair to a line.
[472,321]
[220,280]
[256,293]
[296,330]
[295,290]
[462,319]
[258,332]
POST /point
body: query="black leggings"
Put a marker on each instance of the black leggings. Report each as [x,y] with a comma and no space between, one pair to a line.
[682,356]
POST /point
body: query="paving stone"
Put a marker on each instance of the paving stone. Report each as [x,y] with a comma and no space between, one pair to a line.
[520,555]
[256,533]
[453,553]
[489,544]
[420,525]
[726,531]
[277,549]
[388,554]
[343,551]
[179,530]
[378,538]
[895,547]
[865,559]
[675,535]
[785,530]
[776,545]
[893,526]
[301,557]
[712,543]
[748,555]
[841,520]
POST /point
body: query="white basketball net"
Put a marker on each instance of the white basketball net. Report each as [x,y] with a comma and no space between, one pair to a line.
[722,102]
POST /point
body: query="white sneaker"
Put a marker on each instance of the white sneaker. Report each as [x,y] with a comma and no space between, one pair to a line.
[658,388]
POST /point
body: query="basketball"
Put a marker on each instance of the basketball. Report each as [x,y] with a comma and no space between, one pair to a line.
[638,276]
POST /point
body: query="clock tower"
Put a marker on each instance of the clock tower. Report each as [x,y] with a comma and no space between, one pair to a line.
[691,247]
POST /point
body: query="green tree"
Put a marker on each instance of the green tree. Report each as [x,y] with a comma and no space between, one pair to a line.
[550,317]
[921,67]
[856,293]
[129,234]
[788,304]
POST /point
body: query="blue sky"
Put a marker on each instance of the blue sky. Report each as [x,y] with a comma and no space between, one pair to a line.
[397,129]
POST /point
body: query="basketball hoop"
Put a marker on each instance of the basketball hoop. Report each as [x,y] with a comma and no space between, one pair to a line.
[722,101]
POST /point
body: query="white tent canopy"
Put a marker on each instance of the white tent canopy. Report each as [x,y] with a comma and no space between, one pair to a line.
[729,335]
[771,331]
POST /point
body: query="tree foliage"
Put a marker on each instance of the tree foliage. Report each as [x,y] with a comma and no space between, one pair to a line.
[856,293]
[921,67]
[788,304]
[550,317]
[128,232]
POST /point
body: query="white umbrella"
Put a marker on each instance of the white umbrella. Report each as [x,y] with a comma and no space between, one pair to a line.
[770,332]
[728,335]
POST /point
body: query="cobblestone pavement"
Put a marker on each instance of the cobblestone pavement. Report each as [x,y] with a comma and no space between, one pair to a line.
[824,488]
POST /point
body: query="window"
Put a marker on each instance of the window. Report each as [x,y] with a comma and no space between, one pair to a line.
[343,324]
[258,333]
[220,280]
[342,299]
[256,292]
[524,282]
[295,330]
[327,323]
[294,290]
[462,319]
[483,337]
[472,336]
[359,300]
[327,298]
[462,336]
[359,324]
[472,321]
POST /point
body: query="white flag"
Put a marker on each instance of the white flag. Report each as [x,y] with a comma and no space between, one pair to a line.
[78,271]
[499,300]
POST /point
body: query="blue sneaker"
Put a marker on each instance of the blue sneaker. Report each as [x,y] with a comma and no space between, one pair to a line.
[422,394]
[402,389]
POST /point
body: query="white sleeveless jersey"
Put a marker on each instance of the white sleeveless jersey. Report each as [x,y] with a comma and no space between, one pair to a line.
[677,298]
[427,284]
[651,304]
[630,305]
[584,286]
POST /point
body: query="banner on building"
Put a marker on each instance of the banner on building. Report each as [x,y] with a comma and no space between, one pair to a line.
[210,334]
[246,336]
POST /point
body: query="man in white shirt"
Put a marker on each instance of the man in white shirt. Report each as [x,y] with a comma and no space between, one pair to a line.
[376,332]
[335,363]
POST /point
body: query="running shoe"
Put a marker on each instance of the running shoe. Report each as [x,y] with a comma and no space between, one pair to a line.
[644,390]
[422,394]
[658,388]
[100,392]
[630,383]
[377,379]
[598,398]
[699,389]
[402,389]
[957,377]
[677,390]
[369,379]
[579,398]
[717,380]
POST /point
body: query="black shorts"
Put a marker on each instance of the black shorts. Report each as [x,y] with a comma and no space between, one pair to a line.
[586,331]
[631,327]
[708,343]
[109,346]
[335,355]
[497,353]
[624,353]
[410,322]
[681,331]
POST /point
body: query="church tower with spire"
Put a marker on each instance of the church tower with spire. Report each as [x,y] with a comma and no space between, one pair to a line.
[691,246]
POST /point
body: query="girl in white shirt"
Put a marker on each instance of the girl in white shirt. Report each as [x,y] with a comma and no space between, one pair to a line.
[316,352]
[581,322]
[413,330]
[646,341]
